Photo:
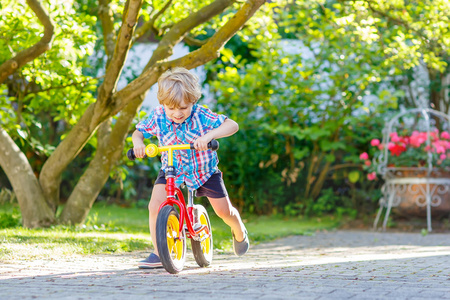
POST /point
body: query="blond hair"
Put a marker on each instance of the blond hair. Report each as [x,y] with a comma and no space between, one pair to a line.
[177,85]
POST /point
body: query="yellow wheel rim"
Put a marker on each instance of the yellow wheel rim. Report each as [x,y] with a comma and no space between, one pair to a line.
[206,244]
[174,240]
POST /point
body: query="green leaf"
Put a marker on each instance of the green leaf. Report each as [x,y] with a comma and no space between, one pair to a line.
[330,158]
[353,176]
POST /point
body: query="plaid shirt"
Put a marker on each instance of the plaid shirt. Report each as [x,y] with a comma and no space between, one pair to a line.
[193,167]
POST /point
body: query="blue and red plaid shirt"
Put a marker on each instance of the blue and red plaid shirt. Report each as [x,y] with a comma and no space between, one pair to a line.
[193,167]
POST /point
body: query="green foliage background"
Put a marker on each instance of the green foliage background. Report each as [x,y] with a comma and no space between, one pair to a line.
[305,115]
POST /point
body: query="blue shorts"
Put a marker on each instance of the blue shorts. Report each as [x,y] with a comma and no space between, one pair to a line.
[213,188]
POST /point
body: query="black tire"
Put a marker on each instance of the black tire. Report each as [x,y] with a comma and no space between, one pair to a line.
[203,250]
[171,241]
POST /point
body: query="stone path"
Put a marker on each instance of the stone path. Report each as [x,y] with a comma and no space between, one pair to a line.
[327,265]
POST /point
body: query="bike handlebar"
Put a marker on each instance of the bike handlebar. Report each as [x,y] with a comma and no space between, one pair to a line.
[152,150]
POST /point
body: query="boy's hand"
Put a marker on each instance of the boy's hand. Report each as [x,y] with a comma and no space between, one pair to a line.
[139,150]
[228,127]
[201,143]
[138,144]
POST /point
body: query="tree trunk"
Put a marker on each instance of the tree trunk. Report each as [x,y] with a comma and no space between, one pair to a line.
[35,210]
[96,113]
[88,187]
[445,92]
[109,150]
[317,187]
[435,89]
[65,153]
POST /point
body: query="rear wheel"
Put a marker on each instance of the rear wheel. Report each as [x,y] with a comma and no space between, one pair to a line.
[203,249]
[171,241]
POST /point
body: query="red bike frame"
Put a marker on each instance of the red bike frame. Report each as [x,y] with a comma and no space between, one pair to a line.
[172,192]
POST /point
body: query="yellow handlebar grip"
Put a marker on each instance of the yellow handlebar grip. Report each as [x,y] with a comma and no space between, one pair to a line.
[151,150]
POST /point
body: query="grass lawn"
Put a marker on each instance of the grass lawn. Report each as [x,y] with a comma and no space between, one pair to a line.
[113,229]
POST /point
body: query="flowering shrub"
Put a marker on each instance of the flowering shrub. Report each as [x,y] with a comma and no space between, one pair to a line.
[409,151]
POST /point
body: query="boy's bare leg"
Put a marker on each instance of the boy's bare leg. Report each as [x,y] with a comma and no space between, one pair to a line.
[230,215]
[158,197]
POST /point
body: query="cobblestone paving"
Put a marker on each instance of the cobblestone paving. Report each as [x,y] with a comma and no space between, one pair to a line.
[326,265]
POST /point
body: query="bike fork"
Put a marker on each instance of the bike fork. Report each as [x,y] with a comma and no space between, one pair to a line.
[190,207]
[201,231]
[192,213]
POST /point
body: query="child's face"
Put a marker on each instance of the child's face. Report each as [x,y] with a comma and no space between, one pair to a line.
[179,114]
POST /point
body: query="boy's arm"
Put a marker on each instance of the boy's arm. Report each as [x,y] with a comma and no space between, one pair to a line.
[228,127]
[138,144]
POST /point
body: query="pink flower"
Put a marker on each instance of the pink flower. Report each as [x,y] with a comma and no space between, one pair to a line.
[375,142]
[415,146]
[372,176]
[394,137]
[445,135]
[418,138]
[440,148]
[434,135]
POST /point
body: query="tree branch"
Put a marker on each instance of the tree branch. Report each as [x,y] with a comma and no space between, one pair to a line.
[179,30]
[199,57]
[150,24]
[343,166]
[45,43]
[191,41]
[114,69]
[210,50]
[106,16]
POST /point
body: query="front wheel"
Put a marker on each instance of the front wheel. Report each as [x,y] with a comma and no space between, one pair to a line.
[171,241]
[203,248]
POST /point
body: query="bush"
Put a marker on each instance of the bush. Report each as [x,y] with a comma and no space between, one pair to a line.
[10,220]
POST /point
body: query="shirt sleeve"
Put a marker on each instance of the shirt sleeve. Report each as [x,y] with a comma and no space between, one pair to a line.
[211,119]
[148,127]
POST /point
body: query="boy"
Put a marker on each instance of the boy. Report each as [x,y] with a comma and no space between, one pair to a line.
[179,120]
